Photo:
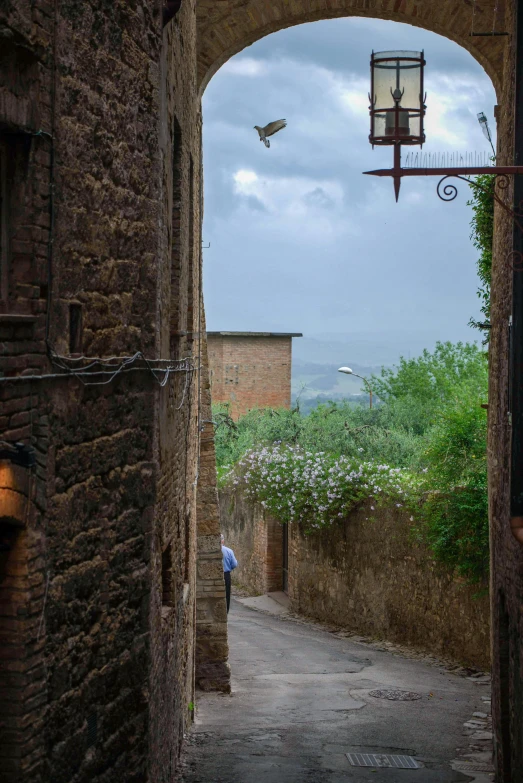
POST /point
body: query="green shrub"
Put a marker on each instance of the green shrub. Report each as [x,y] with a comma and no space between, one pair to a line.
[429,429]
[454,515]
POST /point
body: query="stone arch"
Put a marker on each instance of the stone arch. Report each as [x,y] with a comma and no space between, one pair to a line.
[23,685]
[225,27]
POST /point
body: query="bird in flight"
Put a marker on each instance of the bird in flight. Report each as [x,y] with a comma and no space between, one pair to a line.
[270,130]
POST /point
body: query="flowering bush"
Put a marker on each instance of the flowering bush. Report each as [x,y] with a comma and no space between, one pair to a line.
[314,488]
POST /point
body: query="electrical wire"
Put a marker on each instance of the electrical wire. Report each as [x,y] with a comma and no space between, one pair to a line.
[160,369]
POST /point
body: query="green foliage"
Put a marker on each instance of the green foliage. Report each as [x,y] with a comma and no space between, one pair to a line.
[429,424]
[482,235]
[268,425]
[454,515]
[431,379]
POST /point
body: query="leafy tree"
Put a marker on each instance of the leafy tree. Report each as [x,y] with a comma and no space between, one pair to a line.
[429,423]
[432,377]
[454,515]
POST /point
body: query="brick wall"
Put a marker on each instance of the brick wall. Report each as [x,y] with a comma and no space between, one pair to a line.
[212,652]
[257,542]
[100,143]
[227,27]
[250,371]
[367,576]
[506,553]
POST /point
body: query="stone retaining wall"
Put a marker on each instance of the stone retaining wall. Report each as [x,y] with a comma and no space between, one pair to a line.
[367,575]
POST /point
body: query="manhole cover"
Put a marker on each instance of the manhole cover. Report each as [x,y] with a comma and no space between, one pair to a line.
[395,695]
[382,760]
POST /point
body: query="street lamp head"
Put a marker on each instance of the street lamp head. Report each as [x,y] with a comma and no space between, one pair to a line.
[397,99]
[346,370]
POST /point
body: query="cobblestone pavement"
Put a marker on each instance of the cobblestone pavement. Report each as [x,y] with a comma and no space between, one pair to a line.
[305,695]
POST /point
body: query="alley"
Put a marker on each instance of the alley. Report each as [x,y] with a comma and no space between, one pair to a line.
[302,700]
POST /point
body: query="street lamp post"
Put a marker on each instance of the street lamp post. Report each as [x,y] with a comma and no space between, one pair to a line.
[348,371]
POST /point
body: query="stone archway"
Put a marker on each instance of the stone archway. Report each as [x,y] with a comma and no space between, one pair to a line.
[225,27]
[23,684]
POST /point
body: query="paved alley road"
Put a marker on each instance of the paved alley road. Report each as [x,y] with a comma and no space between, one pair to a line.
[301,701]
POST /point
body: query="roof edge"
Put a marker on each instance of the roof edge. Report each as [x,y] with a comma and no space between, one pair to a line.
[254,334]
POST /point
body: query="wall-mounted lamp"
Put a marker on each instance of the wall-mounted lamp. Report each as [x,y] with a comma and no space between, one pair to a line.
[18,453]
[397,110]
[397,101]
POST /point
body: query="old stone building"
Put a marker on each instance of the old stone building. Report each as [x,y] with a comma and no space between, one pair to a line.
[103,627]
[101,356]
[250,369]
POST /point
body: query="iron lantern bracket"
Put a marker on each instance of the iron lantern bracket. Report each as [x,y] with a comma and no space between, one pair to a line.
[449,191]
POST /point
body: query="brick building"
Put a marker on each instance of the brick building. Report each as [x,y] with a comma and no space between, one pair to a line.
[111,586]
[250,369]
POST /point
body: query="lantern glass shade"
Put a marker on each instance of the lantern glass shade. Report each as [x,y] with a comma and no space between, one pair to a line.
[397,102]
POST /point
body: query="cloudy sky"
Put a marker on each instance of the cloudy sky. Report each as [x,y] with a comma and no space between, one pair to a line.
[300,239]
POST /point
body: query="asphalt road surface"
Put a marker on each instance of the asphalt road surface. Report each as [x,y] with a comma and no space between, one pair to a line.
[301,701]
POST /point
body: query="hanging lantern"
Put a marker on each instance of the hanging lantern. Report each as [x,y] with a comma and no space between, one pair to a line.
[397,100]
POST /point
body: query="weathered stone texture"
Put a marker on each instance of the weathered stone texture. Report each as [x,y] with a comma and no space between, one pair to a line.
[98,586]
[228,26]
[506,554]
[212,651]
[100,143]
[366,575]
[257,542]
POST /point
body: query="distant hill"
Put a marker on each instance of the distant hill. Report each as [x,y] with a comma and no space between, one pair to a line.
[316,359]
